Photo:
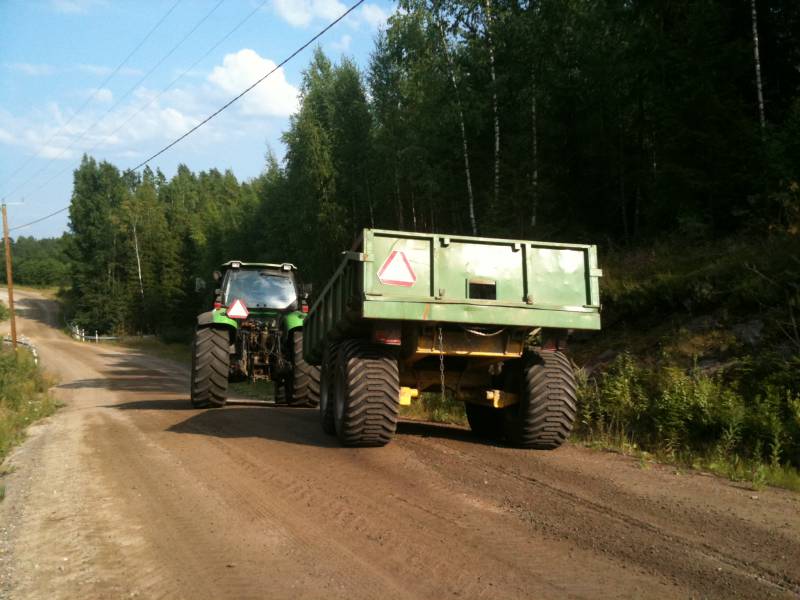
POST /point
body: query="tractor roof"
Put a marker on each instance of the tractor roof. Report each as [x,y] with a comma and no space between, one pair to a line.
[238,264]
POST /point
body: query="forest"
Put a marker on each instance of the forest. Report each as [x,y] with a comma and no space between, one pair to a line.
[668,133]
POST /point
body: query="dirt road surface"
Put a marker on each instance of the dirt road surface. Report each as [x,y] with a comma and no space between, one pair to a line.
[127,492]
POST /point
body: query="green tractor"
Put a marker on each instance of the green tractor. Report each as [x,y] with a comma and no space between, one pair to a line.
[255,333]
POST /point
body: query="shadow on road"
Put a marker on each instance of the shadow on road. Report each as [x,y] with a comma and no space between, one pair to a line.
[42,310]
[131,372]
[130,380]
[285,424]
[277,423]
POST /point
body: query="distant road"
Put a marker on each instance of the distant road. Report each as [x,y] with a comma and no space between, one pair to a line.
[128,492]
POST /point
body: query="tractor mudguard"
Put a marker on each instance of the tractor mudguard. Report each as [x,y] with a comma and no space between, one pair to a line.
[293,320]
[216,317]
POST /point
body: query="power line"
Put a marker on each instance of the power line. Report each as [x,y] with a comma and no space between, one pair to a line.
[93,95]
[39,220]
[161,93]
[230,102]
[116,104]
[222,108]
[181,76]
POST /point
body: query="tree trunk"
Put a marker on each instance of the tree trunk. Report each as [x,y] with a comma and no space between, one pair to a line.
[465,148]
[401,220]
[138,260]
[369,202]
[496,196]
[757,59]
[534,153]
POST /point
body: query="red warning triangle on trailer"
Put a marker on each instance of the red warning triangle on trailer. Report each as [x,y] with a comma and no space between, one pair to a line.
[396,270]
[238,310]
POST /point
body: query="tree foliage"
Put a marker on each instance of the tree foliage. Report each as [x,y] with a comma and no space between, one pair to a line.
[611,121]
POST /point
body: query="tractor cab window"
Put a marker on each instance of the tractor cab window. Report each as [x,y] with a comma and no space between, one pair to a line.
[260,289]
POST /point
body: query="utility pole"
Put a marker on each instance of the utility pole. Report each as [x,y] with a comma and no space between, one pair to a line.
[9,280]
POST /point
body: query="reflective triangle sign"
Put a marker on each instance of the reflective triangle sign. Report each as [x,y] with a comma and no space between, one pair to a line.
[396,270]
[238,310]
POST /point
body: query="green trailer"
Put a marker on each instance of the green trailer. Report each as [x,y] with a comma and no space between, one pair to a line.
[485,319]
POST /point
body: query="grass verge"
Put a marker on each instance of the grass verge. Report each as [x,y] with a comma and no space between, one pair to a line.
[177,352]
[430,406]
[24,397]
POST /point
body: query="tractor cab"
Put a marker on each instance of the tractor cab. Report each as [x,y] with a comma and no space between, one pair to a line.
[260,289]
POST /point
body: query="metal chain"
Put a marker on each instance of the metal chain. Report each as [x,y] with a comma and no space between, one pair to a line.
[441,363]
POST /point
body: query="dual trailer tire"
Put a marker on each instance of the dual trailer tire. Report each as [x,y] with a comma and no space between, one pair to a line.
[361,384]
[210,367]
[546,412]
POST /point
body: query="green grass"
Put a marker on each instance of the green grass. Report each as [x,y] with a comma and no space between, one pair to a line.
[430,406]
[177,352]
[260,390]
[672,379]
[24,397]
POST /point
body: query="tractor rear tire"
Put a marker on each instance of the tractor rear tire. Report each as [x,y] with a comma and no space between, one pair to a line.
[367,398]
[485,421]
[544,416]
[210,367]
[327,389]
[302,386]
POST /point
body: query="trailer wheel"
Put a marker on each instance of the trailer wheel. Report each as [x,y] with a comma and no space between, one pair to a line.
[302,385]
[367,398]
[485,421]
[210,367]
[546,412]
[327,387]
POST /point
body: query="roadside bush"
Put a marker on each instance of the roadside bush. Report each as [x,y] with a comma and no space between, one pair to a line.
[23,396]
[689,416]
[4,314]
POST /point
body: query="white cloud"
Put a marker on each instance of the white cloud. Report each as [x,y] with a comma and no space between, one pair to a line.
[273,97]
[74,6]
[100,70]
[343,44]
[300,13]
[373,15]
[103,95]
[34,70]
[149,118]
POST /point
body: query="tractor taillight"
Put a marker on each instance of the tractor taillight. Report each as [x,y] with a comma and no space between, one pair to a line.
[387,333]
[217,305]
[304,308]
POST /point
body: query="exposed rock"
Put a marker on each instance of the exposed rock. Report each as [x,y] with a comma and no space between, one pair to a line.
[702,323]
[750,332]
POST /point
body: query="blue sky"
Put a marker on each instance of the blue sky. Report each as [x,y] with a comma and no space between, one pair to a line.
[55,55]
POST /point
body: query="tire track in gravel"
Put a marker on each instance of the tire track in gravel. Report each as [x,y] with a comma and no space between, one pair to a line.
[161,501]
[674,547]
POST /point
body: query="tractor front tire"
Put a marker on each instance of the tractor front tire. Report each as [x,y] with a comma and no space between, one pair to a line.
[367,397]
[544,416]
[302,386]
[327,389]
[210,367]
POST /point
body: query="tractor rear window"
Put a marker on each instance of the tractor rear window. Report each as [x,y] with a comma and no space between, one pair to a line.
[260,289]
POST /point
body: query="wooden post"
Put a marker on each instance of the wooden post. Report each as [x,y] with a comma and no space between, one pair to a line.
[9,280]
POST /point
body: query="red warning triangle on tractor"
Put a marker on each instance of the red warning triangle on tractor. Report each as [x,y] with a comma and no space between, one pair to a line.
[396,270]
[238,310]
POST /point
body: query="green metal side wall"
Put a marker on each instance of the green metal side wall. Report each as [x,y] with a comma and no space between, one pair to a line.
[537,284]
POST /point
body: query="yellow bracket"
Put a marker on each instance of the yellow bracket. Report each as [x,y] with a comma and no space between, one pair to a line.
[501,399]
[406,394]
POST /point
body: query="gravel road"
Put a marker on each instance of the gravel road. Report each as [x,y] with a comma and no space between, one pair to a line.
[128,492]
